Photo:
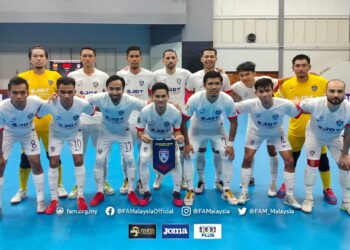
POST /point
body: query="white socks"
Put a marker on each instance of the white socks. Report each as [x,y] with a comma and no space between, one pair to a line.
[53,182]
[80,179]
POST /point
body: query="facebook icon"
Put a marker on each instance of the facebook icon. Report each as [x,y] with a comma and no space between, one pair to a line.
[110,211]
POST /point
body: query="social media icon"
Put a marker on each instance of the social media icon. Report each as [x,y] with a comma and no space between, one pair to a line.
[110,211]
[242,211]
[186,211]
[60,211]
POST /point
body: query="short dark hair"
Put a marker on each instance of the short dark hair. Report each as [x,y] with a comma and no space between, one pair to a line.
[37,47]
[88,48]
[65,80]
[115,78]
[15,81]
[133,47]
[169,50]
[212,74]
[160,85]
[301,57]
[263,83]
[209,49]
[246,66]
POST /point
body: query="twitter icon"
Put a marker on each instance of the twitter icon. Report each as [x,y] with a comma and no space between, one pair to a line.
[242,211]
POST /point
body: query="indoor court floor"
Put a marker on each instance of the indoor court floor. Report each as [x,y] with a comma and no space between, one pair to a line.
[326,228]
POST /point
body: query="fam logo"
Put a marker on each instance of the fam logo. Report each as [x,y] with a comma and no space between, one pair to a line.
[175,231]
[207,231]
[142,231]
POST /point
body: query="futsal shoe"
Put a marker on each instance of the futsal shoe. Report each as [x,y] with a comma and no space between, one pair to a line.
[82,204]
[183,184]
[107,188]
[19,196]
[228,196]
[139,187]
[200,187]
[74,193]
[61,192]
[158,182]
[250,184]
[272,192]
[51,209]
[291,201]
[189,198]
[40,207]
[177,199]
[219,185]
[147,197]
[281,193]
[243,198]
[345,206]
[98,198]
[124,188]
[329,196]
[132,197]
[307,206]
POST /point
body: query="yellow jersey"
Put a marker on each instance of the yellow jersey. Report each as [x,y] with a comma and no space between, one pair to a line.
[292,89]
[44,86]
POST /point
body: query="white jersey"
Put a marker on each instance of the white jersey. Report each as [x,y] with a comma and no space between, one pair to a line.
[84,85]
[195,82]
[248,93]
[159,126]
[115,117]
[176,83]
[324,123]
[19,122]
[207,115]
[268,122]
[65,122]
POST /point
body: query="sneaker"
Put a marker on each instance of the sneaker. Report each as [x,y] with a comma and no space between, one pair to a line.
[177,199]
[291,201]
[139,187]
[189,198]
[219,185]
[252,182]
[74,193]
[147,197]
[272,192]
[307,206]
[345,206]
[281,193]
[183,184]
[107,188]
[40,207]
[158,182]
[61,192]
[82,204]
[19,196]
[98,198]
[132,197]
[329,196]
[200,188]
[124,188]
[51,209]
[243,198]
[228,196]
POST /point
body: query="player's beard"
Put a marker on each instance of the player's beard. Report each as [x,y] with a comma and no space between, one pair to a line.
[334,102]
[39,67]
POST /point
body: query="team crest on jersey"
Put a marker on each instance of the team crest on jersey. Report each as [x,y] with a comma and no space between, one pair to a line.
[30,116]
[178,81]
[321,119]
[163,155]
[340,123]
[314,88]
[95,84]
[76,117]
[53,149]
[218,112]
[275,116]
[50,82]
[166,124]
[121,112]
[257,115]
[141,82]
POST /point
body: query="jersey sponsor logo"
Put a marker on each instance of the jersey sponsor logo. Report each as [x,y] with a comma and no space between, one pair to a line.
[141,82]
[87,92]
[134,91]
[207,231]
[174,89]
[275,116]
[142,231]
[95,84]
[340,123]
[69,125]
[175,231]
[21,125]
[330,130]
[314,88]
[267,124]
[209,119]
[114,119]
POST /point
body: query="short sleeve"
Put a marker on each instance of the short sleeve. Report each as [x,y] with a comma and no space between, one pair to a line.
[308,105]
[44,109]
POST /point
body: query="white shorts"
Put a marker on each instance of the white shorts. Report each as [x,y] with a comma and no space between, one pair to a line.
[313,145]
[29,143]
[90,130]
[249,128]
[254,140]
[199,138]
[56,142]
